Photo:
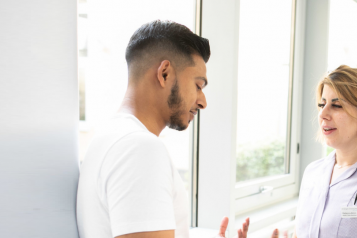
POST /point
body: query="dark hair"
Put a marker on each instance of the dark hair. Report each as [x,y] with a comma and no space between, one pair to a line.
[166,39]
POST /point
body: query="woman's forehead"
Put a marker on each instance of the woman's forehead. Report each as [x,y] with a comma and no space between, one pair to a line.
[328,93]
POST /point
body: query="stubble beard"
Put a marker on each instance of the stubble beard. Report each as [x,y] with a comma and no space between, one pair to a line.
[176,105]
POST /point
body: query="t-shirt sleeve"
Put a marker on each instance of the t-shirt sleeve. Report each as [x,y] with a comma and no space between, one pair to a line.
[138,180]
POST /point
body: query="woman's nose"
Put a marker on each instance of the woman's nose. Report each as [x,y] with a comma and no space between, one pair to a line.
[324,113]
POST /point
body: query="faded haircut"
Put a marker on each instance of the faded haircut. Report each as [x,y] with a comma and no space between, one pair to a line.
[159,40]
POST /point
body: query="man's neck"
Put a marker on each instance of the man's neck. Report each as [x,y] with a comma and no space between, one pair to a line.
[134,104]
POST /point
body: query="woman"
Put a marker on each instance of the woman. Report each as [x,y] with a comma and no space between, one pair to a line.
[327,203]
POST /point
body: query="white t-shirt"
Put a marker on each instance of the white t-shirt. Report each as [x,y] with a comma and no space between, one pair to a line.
[128,184]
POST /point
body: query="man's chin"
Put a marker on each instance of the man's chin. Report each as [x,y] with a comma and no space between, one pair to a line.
[178,126]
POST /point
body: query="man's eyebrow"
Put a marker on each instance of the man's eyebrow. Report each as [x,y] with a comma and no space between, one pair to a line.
[204,79]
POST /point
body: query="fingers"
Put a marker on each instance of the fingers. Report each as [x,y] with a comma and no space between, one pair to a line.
[285,234]
[247,220]
[240,233]
[275,234]
[245,227]
[223,227]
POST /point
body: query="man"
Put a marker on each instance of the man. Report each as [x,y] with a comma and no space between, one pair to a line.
[128,185]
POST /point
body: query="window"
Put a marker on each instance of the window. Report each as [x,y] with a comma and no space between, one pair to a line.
[342,34]
[265,66]
[249,24]
[105,27]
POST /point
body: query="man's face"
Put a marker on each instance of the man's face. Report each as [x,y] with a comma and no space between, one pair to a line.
[186,94]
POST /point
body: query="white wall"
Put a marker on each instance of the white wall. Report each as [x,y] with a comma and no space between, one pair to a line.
[315,66]
[38,118]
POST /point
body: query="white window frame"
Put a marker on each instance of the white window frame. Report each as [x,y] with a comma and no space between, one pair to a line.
[194,138]
[218,193]
[82,8]
[248,194]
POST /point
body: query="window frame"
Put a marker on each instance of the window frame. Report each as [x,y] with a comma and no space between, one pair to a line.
[194,136]
[221,195]
[250,195]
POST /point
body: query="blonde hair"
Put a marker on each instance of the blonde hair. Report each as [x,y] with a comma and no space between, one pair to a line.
[344,81]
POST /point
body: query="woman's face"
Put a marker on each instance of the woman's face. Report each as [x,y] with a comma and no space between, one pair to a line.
[338,128]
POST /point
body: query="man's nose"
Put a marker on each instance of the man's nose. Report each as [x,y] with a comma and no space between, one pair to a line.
[201,101]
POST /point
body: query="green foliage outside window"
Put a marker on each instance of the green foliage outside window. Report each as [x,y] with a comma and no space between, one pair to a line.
[328,150]
[260,160]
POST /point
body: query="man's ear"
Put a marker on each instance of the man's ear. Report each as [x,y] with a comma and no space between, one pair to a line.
[164,72]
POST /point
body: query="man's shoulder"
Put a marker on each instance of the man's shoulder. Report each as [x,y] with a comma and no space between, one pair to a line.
[124,136]
[123,128]
[121,124]
[141,141]
[139,151]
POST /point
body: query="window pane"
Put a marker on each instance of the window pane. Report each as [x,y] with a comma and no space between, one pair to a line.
[263,87]
[104,30]
[342,34]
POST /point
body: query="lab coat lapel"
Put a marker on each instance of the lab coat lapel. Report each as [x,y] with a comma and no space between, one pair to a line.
[323,186]
[348,173]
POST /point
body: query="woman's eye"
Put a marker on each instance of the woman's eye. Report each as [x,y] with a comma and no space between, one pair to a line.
[323,105]
[338,106]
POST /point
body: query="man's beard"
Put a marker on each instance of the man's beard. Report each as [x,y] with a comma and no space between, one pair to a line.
[176,104]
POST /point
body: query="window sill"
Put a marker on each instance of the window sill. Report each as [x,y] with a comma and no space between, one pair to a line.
[198,232]
[262,221]
[269,215]
[84,126]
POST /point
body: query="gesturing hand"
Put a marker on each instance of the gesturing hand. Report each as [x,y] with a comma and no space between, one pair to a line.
[242,232]
[276,234]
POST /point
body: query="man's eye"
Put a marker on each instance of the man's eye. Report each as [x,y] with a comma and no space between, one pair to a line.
[198,87]
[321,105]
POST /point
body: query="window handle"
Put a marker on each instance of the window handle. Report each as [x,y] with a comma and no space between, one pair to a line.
[265,189]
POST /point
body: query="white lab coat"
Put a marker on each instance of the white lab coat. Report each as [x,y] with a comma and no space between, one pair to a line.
[320,203]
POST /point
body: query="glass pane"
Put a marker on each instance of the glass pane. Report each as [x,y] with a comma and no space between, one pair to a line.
[263,87]
[104,30]
[342,34]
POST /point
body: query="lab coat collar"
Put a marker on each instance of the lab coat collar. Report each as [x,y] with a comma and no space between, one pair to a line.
[345,175]
[324,186]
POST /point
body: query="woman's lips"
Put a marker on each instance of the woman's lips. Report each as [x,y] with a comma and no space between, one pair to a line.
[328,130]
